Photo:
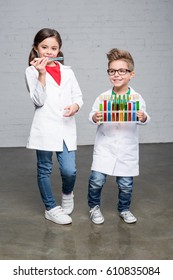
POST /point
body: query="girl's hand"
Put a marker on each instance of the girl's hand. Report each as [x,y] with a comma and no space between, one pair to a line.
[71,110]
[39,64]
[141,116]
[97,117]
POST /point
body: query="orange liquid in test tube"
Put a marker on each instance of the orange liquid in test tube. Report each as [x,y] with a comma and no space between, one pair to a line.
[121,112]
[113,111]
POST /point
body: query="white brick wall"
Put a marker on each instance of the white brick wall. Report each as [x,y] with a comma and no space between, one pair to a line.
[89,29]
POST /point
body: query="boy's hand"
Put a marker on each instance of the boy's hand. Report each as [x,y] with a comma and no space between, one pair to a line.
[97,117]
[141,116]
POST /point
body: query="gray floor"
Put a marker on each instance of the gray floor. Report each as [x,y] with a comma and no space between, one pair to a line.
[25,234]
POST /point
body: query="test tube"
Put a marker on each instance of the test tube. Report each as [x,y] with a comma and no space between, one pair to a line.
[121,109]
[125,112]
[134,111]
[117,108]
[101,106]
[113,107]
[137,108]
[109,110]
[129,107]
[105,108]
[137,105]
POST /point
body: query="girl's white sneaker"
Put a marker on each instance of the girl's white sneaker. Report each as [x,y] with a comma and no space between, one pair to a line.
[58,216]
[68,203]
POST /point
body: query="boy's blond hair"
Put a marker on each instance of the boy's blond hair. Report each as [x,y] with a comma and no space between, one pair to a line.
[117,54]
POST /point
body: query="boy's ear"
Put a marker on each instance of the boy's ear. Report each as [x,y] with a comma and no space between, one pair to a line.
[132,74]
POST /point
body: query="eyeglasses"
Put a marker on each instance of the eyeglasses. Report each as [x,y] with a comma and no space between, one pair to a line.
[121,71]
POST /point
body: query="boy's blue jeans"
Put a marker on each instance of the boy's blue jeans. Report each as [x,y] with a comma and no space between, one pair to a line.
[96,182]
[67,167]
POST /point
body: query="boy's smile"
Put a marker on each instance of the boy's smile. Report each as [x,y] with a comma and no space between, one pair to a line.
[120,80]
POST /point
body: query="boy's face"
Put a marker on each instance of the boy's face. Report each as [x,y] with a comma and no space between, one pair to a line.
[120,80]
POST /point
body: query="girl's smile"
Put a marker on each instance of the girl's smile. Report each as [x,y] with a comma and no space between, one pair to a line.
[48,48]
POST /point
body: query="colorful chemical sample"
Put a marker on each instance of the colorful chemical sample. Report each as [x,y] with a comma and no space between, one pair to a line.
[101,107]
[109,110]
[119,108]
[129,107]
[125,112]
[134,111]
[105,109]
[113,108]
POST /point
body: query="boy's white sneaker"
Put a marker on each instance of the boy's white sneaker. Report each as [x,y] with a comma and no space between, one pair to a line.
[68,203]
[128,217]
[96,215]
[58,216]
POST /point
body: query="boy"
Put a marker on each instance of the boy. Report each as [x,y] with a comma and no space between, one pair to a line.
[116,148]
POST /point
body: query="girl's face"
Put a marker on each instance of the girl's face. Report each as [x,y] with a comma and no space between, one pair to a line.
[119,81]
[48,48]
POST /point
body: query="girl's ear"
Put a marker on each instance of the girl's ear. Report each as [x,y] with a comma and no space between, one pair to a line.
[35,49]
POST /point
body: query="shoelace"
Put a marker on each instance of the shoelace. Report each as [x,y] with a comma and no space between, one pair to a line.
[95,211]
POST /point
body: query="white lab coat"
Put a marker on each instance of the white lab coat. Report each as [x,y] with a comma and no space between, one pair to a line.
[116,148]
[49,127]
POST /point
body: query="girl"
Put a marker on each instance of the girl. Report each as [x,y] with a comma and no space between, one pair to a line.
[57,97]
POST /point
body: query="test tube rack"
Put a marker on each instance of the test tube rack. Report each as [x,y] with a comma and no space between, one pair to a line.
[119,108]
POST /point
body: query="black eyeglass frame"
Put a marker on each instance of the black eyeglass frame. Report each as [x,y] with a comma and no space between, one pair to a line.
[118,70]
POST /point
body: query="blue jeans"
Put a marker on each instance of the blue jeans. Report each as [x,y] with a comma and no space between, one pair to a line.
[67,167]
[96,182]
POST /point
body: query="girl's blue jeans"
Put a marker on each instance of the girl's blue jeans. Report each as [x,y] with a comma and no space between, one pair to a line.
[67,168]
[96,182]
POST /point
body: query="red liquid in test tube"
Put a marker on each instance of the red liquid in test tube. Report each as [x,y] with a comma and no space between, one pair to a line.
[105,109]
[129,112]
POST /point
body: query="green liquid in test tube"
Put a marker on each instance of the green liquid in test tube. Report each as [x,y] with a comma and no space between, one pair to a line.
[101,108]
[125,112]
[137,105]
[137,108]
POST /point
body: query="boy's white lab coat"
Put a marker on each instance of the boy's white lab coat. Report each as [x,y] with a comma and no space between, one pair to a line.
[49,127]
[116,148]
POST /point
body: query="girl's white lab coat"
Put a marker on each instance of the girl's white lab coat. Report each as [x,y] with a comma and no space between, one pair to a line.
[49,127]
[116,148]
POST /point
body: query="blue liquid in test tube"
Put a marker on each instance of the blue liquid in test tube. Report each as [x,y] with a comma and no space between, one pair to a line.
[109,111]
[134,112]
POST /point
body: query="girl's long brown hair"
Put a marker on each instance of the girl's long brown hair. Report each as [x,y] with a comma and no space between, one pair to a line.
[42,35]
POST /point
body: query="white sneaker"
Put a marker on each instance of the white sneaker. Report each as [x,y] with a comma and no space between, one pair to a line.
[58,216]
[96,215]
[128,217]
[68,203]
